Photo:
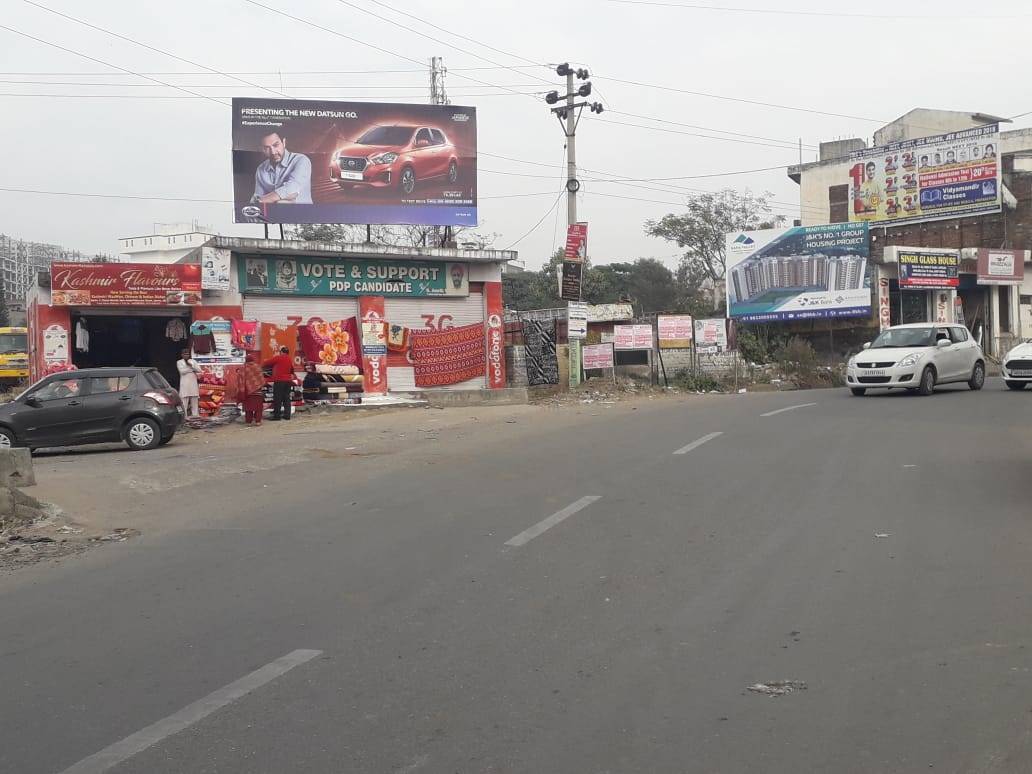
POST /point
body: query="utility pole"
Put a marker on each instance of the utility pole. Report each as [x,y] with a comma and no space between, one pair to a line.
[438,96]
[569,117]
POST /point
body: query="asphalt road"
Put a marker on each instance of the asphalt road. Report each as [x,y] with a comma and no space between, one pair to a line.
[430,622]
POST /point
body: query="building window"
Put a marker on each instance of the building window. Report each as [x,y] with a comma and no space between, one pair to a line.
[838,203]
[1005,310]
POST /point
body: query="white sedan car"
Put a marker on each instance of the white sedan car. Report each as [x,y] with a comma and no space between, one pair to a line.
[1017,366]
[917,357]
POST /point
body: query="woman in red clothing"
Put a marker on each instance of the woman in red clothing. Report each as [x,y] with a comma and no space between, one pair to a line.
[252,382]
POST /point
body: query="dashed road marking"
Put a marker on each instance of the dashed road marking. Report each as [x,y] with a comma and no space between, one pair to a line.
[787,408]
[698,443]
[546,524]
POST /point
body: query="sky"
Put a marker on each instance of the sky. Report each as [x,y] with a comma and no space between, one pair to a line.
[75,121]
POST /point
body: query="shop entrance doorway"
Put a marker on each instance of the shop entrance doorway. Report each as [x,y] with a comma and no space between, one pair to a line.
[128,339]
[912,307]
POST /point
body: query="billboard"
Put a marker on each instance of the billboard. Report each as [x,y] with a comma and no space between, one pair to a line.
[306,161]
[799,273]
[125,284]
[945,176]
[928,269]
[280,276]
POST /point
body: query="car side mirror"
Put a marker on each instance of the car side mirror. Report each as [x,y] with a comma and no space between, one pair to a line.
[867,345]
[943,343]
[34,402]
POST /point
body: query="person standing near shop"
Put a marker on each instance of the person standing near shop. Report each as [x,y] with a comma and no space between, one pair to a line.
[188,388]
[252,382]
[282,380]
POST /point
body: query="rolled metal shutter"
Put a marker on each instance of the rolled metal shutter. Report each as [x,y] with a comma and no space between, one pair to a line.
[280,309]
[423,313]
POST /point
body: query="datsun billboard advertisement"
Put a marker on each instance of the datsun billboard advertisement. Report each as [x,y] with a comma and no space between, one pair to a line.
[301,161]
[799,273]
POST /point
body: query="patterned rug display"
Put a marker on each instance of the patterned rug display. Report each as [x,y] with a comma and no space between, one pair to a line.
[450,356]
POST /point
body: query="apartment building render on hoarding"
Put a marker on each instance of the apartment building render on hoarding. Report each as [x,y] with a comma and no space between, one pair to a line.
[756,276]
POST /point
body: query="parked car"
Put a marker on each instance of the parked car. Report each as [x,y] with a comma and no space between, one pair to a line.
[399,156]
[93,405]
[1017,366]
[917,357]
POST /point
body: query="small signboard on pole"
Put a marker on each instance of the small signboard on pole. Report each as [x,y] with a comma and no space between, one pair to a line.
[576,242]
[577,320]
[627,337]
[571,281]
[675,331]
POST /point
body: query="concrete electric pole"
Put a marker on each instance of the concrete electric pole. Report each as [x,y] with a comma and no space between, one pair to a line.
[569,115]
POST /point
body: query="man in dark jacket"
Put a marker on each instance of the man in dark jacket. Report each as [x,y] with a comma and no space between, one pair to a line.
[282,380]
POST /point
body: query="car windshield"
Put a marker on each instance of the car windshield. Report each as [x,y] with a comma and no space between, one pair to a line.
[10,343]
[386,135]
[905,337]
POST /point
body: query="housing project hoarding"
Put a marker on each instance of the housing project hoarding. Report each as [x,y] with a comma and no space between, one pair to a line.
[800,273]
[945,176]
[302,161]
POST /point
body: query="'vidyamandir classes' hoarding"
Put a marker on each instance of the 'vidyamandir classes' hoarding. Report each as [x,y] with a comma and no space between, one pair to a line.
[945,176]
[301,161]
[799,273]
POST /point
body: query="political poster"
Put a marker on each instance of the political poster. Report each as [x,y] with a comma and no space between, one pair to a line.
[598,356]
[215,262]
[799,273]
[576,242]
[944,176]
[309,161]
[626,337]
[711,336]
[674,331]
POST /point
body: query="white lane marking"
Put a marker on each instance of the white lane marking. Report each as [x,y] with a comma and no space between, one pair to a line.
[787,408]
[546,524]
[698,443]
[186,717]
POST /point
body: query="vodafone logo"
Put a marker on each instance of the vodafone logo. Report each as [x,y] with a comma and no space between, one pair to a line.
[494,321]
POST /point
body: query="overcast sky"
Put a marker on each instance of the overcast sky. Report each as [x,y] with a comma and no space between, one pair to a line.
[949,55]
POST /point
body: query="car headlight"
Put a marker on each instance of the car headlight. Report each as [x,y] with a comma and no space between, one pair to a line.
[910,360]
[851,363]
[383,158]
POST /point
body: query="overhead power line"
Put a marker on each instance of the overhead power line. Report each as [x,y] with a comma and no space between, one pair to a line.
[178,97]
[109,64]
[271,72]
[540,221]
[141,44]
[428,37]
[709,129]
[830,14]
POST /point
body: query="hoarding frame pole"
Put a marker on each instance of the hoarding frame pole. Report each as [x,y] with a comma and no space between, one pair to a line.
[266,225]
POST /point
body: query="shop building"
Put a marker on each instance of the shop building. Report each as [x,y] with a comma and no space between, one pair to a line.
[134,313]
[990,304]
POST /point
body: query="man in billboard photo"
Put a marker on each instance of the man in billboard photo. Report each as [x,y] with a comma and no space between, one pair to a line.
[284,177]
[870,191]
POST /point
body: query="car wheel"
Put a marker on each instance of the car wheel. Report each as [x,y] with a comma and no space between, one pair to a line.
[408,180]
[7,439]
[927,382]
[858,391]
[453,173]
[142,434]
[1015,385]
[977,380]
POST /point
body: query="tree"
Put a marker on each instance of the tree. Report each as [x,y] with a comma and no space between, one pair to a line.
[393,236]
[701,231]
[646,283]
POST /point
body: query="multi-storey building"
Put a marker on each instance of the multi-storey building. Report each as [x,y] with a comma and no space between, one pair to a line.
[20,263]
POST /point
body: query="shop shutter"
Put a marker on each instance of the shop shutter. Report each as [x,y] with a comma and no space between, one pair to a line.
[281,310]
[427,313]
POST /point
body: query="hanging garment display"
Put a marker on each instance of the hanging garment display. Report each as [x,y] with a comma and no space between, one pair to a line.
[175,330]
[202,339]
[335,343]
[450,356]
[542,363]
[397,338]
[272,337]
[245,335]
[82,336]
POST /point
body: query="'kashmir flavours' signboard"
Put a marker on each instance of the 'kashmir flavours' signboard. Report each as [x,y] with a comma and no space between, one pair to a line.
[351,277]
[125,284]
